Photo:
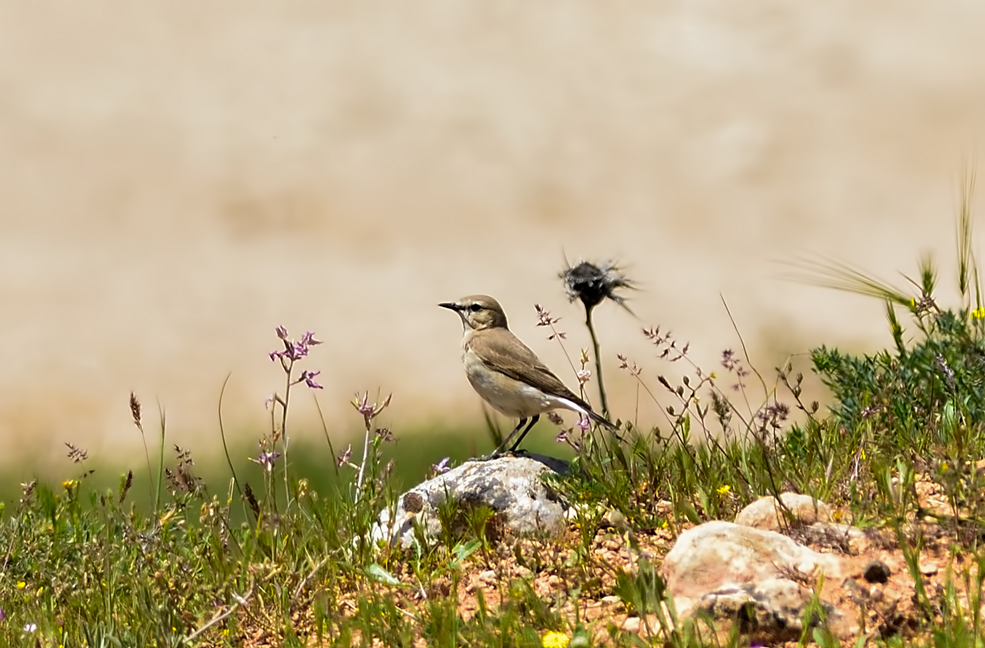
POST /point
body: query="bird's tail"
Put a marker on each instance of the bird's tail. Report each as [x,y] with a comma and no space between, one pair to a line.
[601,420]
[604,422]
[578,405]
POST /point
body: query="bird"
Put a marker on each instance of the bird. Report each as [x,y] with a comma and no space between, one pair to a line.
[507,374]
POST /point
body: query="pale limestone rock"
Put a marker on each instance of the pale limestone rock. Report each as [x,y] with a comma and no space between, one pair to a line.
[766,513]
[759,579]
[511,486]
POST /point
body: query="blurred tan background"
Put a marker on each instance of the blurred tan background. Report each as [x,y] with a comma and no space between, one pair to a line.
[177,179]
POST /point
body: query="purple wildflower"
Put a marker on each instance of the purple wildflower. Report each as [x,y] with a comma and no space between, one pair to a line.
[297,351]
[441,467]
[267,460]
[308,339]
[345,456]
[367,409]
[309,379]
[293,349]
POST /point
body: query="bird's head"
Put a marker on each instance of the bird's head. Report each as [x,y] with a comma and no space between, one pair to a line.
[478,312]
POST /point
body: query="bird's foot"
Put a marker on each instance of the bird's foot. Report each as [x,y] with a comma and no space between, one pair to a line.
[520,452]
[506,453]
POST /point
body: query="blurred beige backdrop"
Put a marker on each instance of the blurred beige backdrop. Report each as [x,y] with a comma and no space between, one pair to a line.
[177,179]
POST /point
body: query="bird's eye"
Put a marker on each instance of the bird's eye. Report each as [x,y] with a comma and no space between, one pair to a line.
[475,308]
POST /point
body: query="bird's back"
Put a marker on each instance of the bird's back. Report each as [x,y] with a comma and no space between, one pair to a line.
[504,353]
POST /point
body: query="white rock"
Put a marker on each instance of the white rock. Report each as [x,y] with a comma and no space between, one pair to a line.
[510,486]
[766,513]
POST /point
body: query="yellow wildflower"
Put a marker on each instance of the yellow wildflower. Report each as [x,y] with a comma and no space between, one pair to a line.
[724,489]
[21,585]
[978,313]
[555,640]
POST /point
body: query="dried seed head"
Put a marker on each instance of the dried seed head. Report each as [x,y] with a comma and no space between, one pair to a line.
[76,454]
[592,283]
[27,491]
[583,358]
[251,500]
[127,482]
[135,410]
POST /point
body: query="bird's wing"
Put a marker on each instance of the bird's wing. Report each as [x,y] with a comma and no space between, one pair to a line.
[502,351]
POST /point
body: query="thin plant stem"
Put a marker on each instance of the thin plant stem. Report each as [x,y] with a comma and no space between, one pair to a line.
[150,472]
[222,435]
[598,362]
[283,436]
[328,439]
[135,410]
[559,337]
[160,465]
[362,465]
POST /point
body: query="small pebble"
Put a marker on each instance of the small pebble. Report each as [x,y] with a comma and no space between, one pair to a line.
[928,568]
[632,624]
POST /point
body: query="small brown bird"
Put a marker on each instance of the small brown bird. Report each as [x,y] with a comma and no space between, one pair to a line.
[506,373]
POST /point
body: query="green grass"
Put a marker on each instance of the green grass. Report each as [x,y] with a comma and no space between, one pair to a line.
[277,552]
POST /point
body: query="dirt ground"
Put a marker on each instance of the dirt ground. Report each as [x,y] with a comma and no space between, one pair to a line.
[877,607]
[178,179]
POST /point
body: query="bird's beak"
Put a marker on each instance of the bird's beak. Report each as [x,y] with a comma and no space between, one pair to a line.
[451,306]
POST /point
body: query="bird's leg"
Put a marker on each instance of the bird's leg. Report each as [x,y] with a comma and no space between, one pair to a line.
[533,421]
[498,452]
